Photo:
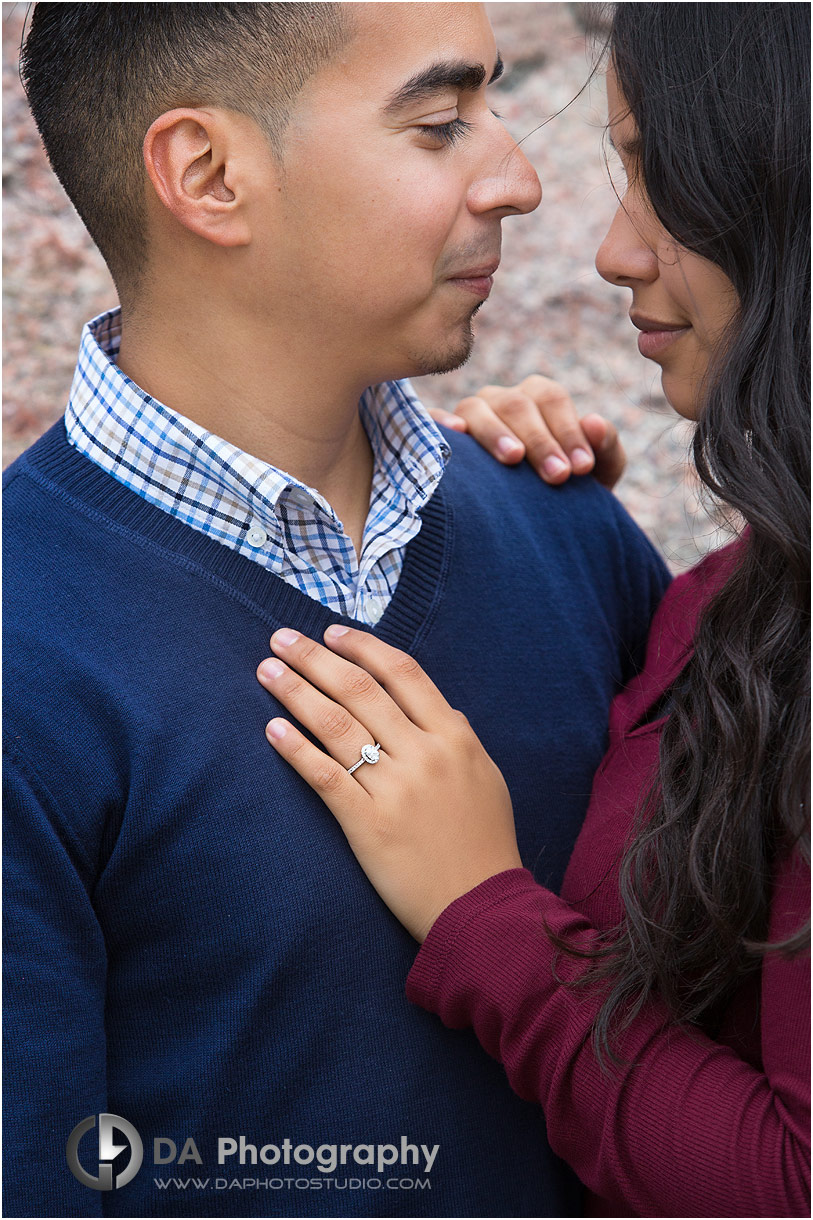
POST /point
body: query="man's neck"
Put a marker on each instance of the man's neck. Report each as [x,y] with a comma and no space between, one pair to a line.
[287,407]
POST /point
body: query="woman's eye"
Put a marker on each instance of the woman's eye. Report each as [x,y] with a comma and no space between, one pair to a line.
[618,170]
[446,133]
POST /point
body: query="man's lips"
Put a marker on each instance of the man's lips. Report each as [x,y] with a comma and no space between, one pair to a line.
[476,279]
[656,336]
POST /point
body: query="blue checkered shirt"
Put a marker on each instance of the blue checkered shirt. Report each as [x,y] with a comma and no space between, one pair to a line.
[260,511]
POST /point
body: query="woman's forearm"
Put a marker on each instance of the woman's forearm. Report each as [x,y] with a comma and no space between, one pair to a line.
[687,1127]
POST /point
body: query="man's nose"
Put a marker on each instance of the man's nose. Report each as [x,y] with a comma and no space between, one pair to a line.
[624,257]
[509,183]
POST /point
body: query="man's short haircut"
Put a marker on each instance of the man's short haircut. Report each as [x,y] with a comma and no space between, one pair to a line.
[98,75]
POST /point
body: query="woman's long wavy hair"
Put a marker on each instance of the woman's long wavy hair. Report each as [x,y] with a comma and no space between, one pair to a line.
[720,94]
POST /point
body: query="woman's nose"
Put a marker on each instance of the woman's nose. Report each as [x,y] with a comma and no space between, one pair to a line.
[625,256]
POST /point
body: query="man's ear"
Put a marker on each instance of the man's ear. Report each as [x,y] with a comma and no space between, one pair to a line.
[192,159]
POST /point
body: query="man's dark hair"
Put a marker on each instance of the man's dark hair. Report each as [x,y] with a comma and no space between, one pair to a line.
[98,75]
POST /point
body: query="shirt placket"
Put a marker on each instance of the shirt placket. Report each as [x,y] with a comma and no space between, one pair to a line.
[319,547]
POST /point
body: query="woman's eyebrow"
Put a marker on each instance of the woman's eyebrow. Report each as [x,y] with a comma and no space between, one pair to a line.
[457,74]
[630,148]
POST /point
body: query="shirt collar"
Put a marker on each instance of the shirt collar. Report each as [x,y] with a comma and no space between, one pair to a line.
[409,450]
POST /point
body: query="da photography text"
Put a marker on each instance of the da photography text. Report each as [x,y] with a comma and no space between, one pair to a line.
[94,1168]
[236,1150]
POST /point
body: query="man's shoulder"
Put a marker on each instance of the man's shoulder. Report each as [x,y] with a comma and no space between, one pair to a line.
[477,484]
[65,559]
[578,535]
[471,468]
[28,480]
[43,525]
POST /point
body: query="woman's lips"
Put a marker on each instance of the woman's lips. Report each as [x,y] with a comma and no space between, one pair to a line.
[656,337]
[652,343]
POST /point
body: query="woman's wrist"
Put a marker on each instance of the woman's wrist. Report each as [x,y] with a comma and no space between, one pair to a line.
[427,970]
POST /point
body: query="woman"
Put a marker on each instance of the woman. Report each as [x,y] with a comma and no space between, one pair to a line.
[658,1010]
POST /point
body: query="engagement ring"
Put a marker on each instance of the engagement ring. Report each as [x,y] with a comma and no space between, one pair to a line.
[369,754]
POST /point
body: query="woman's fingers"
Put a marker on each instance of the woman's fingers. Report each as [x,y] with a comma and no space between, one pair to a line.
[384,688]
[341,704]
[557,409]
[400,675]
[535,419]
[486,427]
[346,798]
[611,460]
[340,733]
[447,419]
[551,432]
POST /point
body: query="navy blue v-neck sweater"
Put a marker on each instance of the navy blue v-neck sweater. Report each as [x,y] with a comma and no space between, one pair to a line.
[190,942]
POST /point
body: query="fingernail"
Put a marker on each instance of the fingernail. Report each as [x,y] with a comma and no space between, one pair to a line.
[580,457]
[508,447]
[285,637]
[271,669]
[276,729]
[554,466]
[335,631]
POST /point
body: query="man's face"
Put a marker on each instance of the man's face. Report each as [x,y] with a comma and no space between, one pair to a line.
[385,222]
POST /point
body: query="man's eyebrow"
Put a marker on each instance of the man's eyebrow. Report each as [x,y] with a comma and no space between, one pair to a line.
[457,74]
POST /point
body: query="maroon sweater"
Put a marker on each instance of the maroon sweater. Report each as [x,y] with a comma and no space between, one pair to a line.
[693,1127]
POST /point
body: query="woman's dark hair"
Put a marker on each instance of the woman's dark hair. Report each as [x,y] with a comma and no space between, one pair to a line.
[720,94]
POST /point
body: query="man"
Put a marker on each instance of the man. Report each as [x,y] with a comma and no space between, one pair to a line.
[298,204]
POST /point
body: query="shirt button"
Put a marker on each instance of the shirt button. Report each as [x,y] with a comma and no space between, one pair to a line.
[374,610]
[256,536]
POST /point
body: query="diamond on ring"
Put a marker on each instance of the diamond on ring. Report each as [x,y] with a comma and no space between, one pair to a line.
[369,754]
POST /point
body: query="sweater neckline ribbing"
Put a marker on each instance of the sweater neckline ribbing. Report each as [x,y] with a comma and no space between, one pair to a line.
[59,467]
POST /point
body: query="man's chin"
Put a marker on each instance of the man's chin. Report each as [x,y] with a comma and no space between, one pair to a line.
[451,355]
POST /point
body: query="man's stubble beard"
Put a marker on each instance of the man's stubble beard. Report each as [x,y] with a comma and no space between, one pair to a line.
[453,356]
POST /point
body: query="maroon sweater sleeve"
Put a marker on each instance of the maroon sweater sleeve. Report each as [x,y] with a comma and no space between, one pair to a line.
[689,1128]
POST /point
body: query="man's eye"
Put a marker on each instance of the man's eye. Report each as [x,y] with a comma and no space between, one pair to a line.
[446,133]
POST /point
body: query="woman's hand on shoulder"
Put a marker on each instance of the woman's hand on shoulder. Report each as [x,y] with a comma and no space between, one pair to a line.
[537,419]
[432,817]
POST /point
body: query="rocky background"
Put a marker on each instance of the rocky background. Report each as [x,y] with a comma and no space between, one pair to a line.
[549,311]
